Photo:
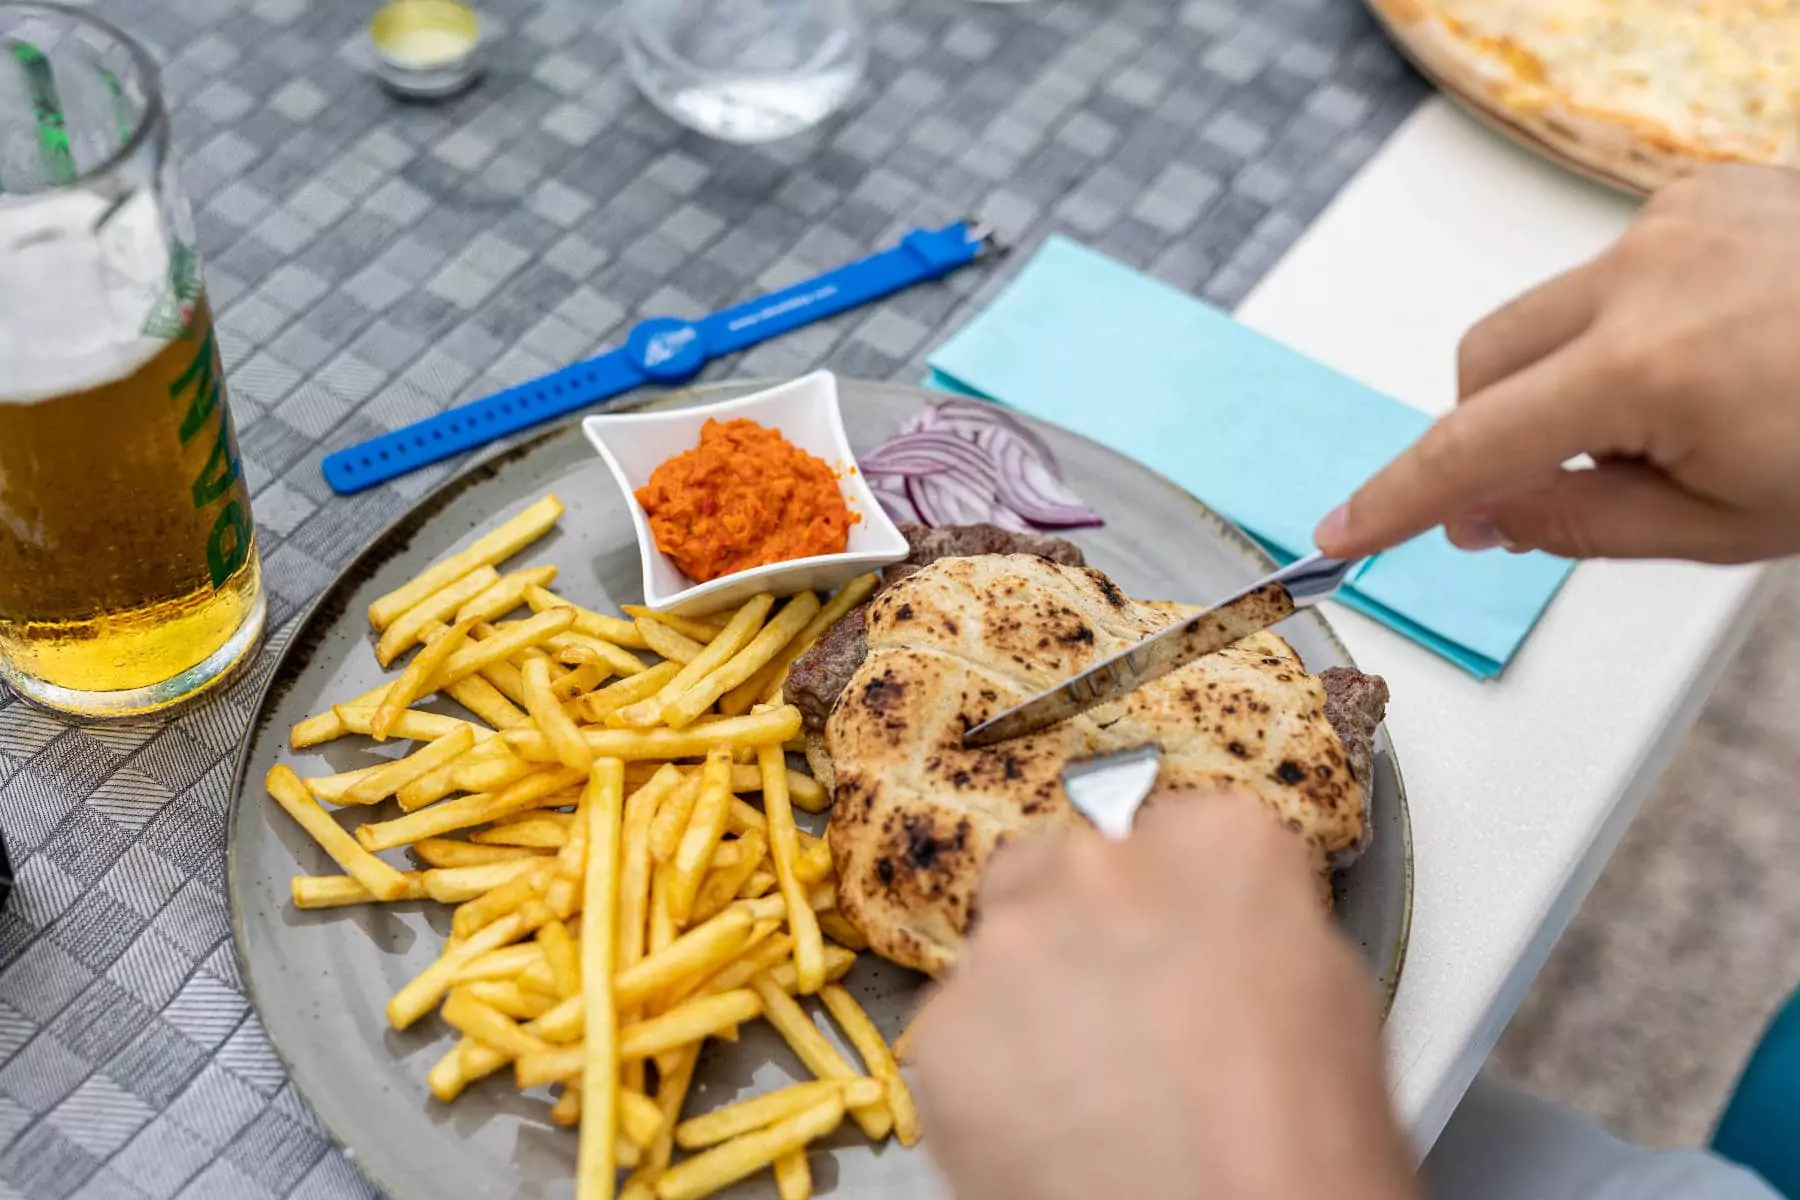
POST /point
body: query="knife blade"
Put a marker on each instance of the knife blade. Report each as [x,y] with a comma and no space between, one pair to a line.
[1300,585]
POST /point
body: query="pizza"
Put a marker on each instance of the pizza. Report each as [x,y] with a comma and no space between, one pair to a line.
[1643,91]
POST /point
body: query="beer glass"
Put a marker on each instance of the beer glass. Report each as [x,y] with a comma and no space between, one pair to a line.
[128,571]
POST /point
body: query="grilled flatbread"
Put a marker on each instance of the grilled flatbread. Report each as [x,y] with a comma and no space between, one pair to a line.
[1642,91]
[917,816]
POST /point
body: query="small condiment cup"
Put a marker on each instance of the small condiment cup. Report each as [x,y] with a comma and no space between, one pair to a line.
[805,412]
[426,49]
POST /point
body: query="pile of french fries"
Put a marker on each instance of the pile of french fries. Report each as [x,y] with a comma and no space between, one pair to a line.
[617,902]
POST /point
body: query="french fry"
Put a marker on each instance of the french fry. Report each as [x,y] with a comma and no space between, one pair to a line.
[546,710]
[382,881]
[504,963]
[434,786]
[675,1074]
[734,637]
[561,954]
[452,852]
[764,687]
[662,928]
[806,792]
[337,891]
[760,883]
[436,609]
[772,727]
[506,996]
[784,849]
[699,631]
[582,680]
[567,1109]
[426,988]
[815,860]
[639,1117]
[837,927]
[417,679]
[597,706]
[793,1176]
[488,1025]
[602,805]
[758,653]
[747,777]
[447,1077]
[459,885]
[501,901]
[634,862]
[838,962]
[743,817]
[333,788]
[861,1033]
[493,773]
[819,1055]
[660,639]
[466,811]
[706,825]
[721,884]
[699,951]
[487,702]
[541,834]
[413,725]
[616,630]
[725,1164]
[579,648]
[491,548]
[494,651]
[688,1024]
[503,677]
[504,594]
[325,727]
[548,816]
[375,788]
[747,1116]
[672,818]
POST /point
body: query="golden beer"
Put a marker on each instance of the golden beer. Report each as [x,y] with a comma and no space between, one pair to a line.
[128,570]
[126,549]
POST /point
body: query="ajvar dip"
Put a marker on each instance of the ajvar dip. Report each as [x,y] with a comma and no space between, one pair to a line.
[744,497]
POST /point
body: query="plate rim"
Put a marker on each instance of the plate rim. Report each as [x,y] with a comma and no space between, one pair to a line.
[486,466]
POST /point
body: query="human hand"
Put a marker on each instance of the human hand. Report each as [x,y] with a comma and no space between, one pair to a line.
[1171,1016]
[1673,360]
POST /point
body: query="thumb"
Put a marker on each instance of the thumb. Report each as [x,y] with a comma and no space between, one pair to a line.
[1615,510]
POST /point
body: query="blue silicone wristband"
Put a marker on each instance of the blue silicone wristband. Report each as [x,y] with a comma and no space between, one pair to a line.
[658,350]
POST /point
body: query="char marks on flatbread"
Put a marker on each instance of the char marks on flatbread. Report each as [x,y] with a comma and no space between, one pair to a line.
[917,815]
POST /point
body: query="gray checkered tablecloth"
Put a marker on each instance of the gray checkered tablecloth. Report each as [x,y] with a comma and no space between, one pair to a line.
[372,261]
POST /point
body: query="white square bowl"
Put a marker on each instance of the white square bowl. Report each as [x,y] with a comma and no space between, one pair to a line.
[806,413]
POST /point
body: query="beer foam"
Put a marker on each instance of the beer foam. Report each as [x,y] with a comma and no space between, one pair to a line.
[74,300]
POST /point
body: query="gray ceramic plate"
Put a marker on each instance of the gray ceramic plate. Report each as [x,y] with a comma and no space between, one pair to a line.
[320,979]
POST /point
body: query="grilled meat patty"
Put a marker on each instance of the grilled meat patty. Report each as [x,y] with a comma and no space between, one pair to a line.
[916,815]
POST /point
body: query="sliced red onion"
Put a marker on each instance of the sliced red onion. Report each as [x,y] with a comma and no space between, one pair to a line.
[890,491]
[950,499]
[1009,520]
[966,462]
[930,452]
[985,421]
[1026,486]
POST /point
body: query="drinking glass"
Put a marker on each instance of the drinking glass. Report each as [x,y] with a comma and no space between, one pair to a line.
[745,70]
[129,577]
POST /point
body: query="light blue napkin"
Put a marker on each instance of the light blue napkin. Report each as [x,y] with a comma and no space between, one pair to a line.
[1261,433]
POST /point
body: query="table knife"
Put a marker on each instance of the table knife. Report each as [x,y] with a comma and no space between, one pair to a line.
[1262,604]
